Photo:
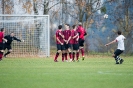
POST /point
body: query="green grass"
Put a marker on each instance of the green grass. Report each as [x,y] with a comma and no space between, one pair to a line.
[44,73]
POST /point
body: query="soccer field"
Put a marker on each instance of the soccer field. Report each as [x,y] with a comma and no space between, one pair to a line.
[44,73]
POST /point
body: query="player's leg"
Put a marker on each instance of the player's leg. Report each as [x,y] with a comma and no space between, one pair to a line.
[81,47]
[70,52]
[66,56]
[77,51]
[63,55]
[121,61]
[1,55]
[66,51]
[57,53]
[63,52]
[77,55]
[1,50]
[116,56]
[73,55]
[74,50]
[9,48]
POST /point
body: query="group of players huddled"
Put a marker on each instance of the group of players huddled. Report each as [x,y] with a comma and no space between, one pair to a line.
[70,42]
[5,42]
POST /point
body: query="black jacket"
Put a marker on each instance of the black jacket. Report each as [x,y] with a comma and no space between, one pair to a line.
[10,39]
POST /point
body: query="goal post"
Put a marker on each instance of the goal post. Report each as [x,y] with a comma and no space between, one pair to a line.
[33,29]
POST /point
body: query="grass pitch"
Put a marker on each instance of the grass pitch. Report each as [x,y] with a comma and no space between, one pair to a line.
[44,73]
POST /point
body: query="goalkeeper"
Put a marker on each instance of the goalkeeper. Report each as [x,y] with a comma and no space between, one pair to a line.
[7,44]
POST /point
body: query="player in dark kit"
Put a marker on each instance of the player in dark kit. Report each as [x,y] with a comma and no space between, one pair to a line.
[67,35]
[82,33]
[60,43]
[7,45]
[75,44]
[1,42]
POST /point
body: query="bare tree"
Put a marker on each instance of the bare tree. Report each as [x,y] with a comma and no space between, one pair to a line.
[45,6]
[123,20]
[7,6]
[83,10]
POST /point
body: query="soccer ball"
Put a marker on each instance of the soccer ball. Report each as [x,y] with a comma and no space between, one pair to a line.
[105,16]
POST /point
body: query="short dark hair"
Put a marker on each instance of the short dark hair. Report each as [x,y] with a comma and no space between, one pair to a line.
[119,32]
[11,32]
[2,29]
[67,25]
[60,27]
[74,26]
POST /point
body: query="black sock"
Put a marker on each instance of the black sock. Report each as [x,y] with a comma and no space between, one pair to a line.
[7,53]
[73,55]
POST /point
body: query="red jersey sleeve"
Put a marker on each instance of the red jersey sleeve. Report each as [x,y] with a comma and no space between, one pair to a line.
[1,36]
[57,34]
[59,37]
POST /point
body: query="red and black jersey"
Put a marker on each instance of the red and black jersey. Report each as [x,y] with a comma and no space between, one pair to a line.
[81,32]
[74,40]
[67,34]
[58,35]
[1,37]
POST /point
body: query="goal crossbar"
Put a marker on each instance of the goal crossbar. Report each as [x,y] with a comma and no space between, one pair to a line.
[34,29]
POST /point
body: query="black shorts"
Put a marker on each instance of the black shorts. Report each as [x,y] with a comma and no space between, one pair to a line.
[81,42]
[1,46]
[60,47]
[118,52]
[68,46]
[8,47]
[75,46]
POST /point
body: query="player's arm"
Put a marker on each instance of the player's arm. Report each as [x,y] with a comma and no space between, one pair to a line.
[124,38]
[65,40]
[111,42]
[70,36]
[18,39]
[4,38]
[69,39]
[59,40]
[85,33]
[61,35]
[75,36]
[78,31]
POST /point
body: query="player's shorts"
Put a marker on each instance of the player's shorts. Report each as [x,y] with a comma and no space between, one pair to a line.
[81,42]
[60,47]
[118,52]
[75,46]
[1,46]
[8,47]
[68,46]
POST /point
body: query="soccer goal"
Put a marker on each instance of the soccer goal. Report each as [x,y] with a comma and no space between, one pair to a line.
[33,29]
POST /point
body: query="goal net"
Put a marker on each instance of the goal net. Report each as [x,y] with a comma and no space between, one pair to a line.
[33,29]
